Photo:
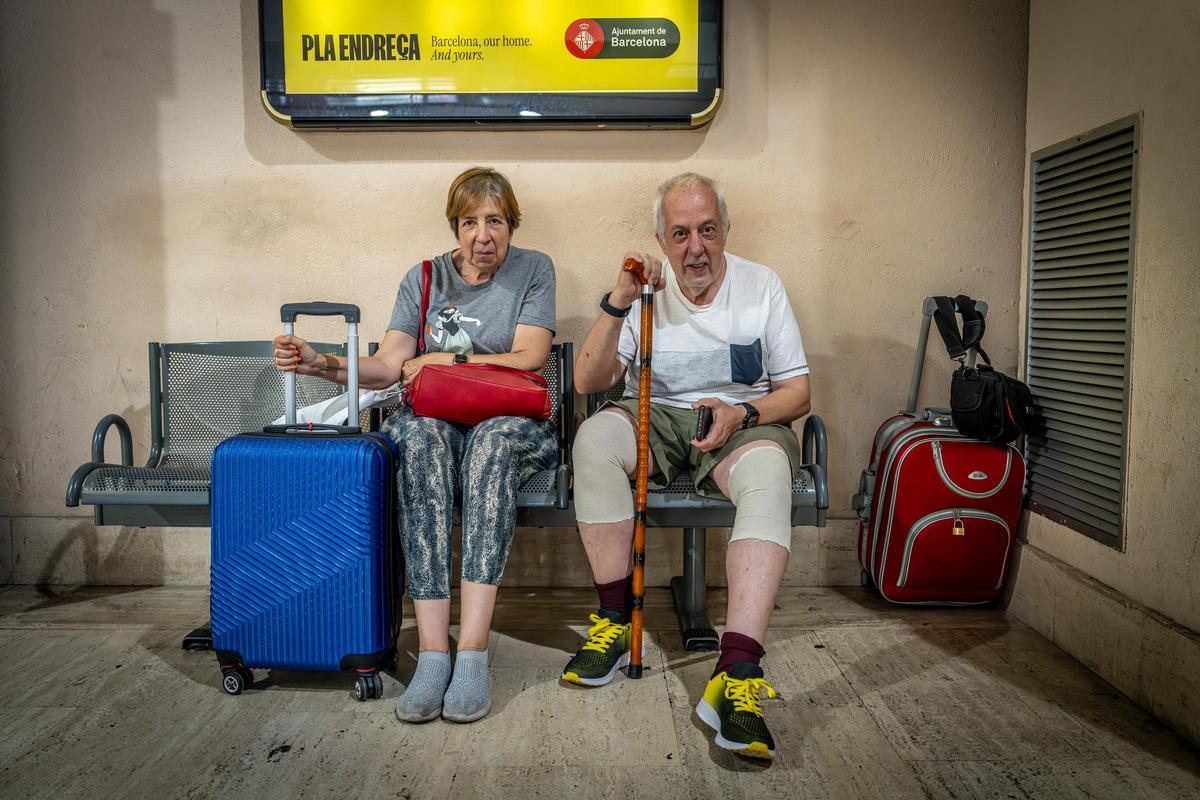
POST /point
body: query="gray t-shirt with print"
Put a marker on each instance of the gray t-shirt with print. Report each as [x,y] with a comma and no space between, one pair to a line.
[478,319]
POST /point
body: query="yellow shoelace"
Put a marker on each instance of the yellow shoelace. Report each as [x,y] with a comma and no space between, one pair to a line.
[747,694]
[602,633]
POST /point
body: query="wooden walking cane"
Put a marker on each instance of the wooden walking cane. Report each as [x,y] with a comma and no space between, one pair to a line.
[643,469]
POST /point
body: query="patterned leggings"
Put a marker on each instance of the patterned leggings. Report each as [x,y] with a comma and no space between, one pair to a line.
[488,462]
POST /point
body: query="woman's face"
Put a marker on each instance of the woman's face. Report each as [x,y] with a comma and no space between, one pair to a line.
[483,235]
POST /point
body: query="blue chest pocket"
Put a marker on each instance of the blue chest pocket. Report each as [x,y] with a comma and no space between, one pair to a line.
[746,362]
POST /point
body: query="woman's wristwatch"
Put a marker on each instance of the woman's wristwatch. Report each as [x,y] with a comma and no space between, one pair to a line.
[460,358]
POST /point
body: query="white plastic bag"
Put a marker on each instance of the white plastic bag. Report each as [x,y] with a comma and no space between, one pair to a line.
[334,410]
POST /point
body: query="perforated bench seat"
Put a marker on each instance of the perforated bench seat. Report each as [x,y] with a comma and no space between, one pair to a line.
[147,495]
[679,505]
[168,486]
[154,485]
[545,499]
[204,392]
[201,393]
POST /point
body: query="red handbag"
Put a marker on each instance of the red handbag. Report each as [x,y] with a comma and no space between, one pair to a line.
[470,393]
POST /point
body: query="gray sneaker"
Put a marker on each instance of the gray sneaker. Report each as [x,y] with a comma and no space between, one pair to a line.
[422,700]
[470,694]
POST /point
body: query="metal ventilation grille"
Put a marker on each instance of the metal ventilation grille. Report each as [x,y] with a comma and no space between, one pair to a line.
[1077,333]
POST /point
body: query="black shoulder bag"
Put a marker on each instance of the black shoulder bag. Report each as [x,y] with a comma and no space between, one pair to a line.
[984,404]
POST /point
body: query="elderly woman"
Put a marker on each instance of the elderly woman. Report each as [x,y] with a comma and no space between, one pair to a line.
[490,302]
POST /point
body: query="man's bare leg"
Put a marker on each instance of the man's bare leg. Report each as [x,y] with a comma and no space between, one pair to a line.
[731,704]
[753,567]
[609,549]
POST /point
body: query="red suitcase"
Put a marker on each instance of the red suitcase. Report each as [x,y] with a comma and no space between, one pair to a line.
[937,511]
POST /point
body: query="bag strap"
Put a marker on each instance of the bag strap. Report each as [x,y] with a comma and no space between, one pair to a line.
[959,344]
[947,325]
[974,326]
[426,280]
[973,322]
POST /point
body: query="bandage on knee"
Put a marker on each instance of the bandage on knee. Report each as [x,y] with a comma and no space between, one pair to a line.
[760,485]
[604,456]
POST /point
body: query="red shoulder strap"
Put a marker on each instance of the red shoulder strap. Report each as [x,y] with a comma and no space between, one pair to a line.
[426,280]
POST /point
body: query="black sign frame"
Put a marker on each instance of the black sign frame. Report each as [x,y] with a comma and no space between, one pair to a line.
[618,110]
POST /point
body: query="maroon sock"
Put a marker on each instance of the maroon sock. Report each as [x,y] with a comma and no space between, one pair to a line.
[617,596]
[737,647]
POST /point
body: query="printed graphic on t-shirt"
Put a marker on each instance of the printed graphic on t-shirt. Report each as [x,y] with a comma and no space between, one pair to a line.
[449,331]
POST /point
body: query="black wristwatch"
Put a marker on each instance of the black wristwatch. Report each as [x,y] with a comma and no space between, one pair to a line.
[460,358]
[751,420]
[612,310]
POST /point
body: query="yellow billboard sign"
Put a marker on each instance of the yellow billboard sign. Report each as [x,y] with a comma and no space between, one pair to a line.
[490,46]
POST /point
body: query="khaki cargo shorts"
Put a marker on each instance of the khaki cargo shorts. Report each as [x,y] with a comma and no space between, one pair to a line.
[672,430]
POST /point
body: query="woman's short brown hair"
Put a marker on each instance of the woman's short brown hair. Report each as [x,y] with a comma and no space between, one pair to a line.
[474,186]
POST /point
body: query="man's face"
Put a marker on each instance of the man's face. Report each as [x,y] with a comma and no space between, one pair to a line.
[694,240]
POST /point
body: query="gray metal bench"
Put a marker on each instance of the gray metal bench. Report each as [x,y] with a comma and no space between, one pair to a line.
[679,505]
[201,393]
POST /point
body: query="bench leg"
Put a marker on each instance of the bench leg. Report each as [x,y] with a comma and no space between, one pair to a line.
[688,591]
[199,639]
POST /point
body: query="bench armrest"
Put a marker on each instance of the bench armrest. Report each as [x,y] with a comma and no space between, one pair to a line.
[820,485]
[814,434]
[815,452]
[563,487]
[101,432]
[75,485]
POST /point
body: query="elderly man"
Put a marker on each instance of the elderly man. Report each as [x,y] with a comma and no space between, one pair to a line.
[725,338]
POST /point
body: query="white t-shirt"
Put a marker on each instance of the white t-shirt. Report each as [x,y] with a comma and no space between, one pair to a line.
[732,348]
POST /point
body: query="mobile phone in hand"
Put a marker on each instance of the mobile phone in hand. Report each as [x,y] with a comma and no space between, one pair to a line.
[704,420]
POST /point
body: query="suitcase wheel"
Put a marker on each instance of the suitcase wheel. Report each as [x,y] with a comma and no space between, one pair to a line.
[864,580]
[235,679]
[368,686]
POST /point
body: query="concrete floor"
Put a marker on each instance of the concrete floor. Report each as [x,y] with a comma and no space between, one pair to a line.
[97,700]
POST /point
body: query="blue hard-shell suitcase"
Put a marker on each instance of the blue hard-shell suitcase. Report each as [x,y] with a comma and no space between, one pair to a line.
[305,571]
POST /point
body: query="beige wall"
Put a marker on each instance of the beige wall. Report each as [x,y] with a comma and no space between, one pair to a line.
[1091,63]
[872,154]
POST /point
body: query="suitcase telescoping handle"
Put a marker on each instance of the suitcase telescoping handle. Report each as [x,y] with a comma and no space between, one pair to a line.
[288,313]
[928,309]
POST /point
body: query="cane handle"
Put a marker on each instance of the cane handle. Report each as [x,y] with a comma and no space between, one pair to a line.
[637,268]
